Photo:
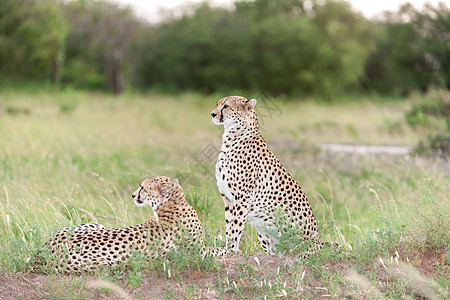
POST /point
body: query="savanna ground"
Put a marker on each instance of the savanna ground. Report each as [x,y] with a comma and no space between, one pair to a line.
[70,157]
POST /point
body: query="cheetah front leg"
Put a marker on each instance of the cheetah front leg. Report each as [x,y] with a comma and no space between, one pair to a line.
[266,230]
[267,243]
[235,216]
[313,240]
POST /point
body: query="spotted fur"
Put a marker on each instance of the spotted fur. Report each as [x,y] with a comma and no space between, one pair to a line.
[88,246]
[253,183]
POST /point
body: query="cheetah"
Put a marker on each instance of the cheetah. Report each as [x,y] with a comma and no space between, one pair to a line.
[253,183]
[86,247]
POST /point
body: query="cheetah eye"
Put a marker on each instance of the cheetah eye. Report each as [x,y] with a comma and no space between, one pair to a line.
[225,106]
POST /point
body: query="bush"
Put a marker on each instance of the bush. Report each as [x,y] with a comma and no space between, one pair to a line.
[432,115]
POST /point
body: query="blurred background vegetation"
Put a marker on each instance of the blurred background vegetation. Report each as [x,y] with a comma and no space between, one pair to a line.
[295,49]
[291,47]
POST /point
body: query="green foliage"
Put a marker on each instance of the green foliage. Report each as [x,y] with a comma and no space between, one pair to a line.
[189,254]
[432,116]
[290,237]
[192,292]
[32,35]
[435,106]
[296,48]
[195,52]
[410,55]
[23,247]
[308,48]
[410,230]
[202,204]
[131,272]
[66,288]
[438,144]
[434,25]
[287,51]
[83,75]
[96,46]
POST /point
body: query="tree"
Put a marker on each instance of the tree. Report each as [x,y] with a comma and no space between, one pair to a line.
[412,51]
[276,46]
[32,34]
[307,47]
[96,46]
[433,24]
[206,51]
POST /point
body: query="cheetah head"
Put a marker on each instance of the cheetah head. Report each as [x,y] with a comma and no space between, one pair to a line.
[155,191]
[232,109]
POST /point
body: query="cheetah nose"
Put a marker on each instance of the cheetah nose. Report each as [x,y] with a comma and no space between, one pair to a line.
[213,114]
[133,195]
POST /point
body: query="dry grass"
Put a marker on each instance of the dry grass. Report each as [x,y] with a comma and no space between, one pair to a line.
[71,158]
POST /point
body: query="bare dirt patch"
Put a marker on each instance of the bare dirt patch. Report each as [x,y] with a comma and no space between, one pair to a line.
[237,277]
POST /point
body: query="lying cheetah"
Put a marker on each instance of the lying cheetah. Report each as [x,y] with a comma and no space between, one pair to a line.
[88,246]
[253,183]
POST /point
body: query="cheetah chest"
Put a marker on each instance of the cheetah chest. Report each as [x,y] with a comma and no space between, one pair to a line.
[221,176]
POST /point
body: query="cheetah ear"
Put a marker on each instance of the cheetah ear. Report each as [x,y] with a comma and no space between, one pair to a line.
[175,182]
[250,103]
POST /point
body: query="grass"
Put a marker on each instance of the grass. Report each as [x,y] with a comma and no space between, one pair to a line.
[70,157]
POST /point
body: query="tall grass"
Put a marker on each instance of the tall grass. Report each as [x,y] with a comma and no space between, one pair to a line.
[72,157]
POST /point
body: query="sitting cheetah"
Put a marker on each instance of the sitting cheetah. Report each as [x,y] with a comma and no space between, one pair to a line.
[88,246]
[253,183]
